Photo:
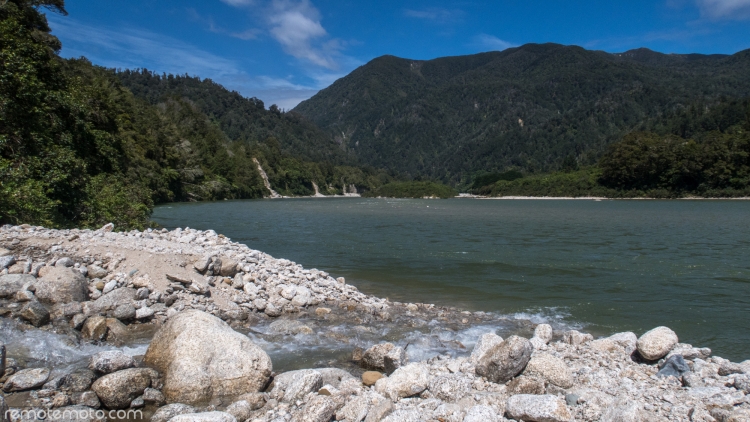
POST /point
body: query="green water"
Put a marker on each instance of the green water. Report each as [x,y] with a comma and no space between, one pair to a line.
[609,266]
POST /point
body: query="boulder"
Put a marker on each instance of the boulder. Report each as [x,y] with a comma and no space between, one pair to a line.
[406,381]
[202,358]
[118,389]
[295,385]
[26,379]
[450,388]
[78,381]
[675,366]
[657,343]
[375,357]
[371,377]
[484,344]
[61,285]
[111,300]
[10,284]
[95,328]
[111,361]
[6,261]
[627,340]
[35,313]
[550,368]
[165,413]
[543,332]
[505,360]
[545,408]
[204,417]
[124,312]
[225,267]
[302,298]
[64,262]
[95,271]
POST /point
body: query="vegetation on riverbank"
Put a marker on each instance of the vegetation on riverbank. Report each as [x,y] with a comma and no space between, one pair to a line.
[413,189]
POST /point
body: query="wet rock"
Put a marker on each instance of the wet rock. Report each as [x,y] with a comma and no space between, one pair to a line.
[124,312]
[655,344]
[202,358]
[111,361]
[95,271]
[505,360]
[451,387]
[526,385]
[575,338]
[289,326]
[333,376]
[550,368]
[166,413]
[78,381]
[117,332]
[318,409]
[11,284]
[484,344]
[675,366]
[546,408]
[26,379]
[61,285]
[295,385]
[35,313]
[95,328]
[204,417]
[371,377]
[406,381]
[118,389]
[375,357]
[480,413]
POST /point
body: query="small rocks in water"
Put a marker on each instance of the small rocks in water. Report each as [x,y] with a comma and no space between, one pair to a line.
[111,361]
[505,360]
[371,377]
[655,344]
[61,285]
[204,417]
[375,357]
[165,413]
[35,313]
[64,262]
[26,379]
[95,328]
[118,389]
[675,366]
[485,343]
[202,358]
[546,408]
[550,368]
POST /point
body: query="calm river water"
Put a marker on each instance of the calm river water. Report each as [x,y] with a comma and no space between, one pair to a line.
[605,266]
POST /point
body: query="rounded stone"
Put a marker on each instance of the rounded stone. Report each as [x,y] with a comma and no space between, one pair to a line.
[371,377]
[655,344]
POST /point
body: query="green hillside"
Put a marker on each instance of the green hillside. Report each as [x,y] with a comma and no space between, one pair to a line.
[528,108]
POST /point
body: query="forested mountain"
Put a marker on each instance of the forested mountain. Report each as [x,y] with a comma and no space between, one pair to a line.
[526,108]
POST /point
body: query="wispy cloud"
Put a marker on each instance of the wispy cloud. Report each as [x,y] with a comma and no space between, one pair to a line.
[239,3]
[211,25]
[296,26]
[491,42]
[436,14]
[725,9]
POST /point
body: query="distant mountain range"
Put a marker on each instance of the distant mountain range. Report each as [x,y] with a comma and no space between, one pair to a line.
[526,108]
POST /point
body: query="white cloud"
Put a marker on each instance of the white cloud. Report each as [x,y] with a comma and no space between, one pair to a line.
[296,26]
[491,42]
[435,14]
[725,9]
[239,3]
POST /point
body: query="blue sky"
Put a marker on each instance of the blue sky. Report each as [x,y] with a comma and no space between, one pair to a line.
[284,51]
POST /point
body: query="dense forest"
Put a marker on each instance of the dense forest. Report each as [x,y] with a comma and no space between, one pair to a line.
[77,147]
[533,108]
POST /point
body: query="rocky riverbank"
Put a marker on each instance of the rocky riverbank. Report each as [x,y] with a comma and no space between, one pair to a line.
[201,316]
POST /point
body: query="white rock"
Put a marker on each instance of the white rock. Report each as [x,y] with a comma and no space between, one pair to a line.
[406,381]
[485,343]
[657,343]
[545,408]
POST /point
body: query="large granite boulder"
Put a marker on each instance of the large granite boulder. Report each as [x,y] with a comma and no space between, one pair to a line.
[26,379]
[61,285]
[657,343]
[201,358]
[505,360]
[118,389]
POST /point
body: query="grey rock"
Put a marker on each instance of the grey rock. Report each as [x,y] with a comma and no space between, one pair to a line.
[95,271]
[118,389]
[64,262]
[406,381]
[380,410]
[675,366]
[241,410]
[111,361]
[480,413]
[543,332]
[35,313]
[656,343]
[10,284]
[124,312]
[202,358]
[26,379]
[137,403]
[374,357]
[111,300]
[78,381]
[742,383]
[625,410]
[204,417]
[271,310]
[142,293]
[405,415]
[201,265]
[550,368]
[95,328]
[302,298]
[152,395]
[77,321]
[3,357]
[729,368]
[627,340]
[333,376]
[61,285]
[318,409]
[144,313]
[165,413]
[88,399]
[6,261]
[545,408]
[571,399]
[259,304]
[451,387]
[295,385]
[24,296]
[485,343]
[505,360]
[576,338]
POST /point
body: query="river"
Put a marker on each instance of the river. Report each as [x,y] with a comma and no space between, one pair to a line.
[604,266]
